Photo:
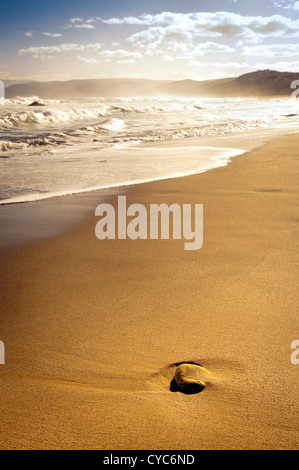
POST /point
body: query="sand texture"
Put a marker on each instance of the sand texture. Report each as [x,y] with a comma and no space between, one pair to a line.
[94,330]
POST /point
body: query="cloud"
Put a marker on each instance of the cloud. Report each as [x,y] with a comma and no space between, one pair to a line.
[287,4]
[229,65]
[81,20]
[81,23]
[281,66]
[217,24]
[272,51]
[5,75]
[87,60]
[121,56]
[189,36]
[79,26]
[51,52]
[29,34]
[53,35]
[126,20]
[167,58]
[205,48]
[77,51]
[173,41]
[84,26]
[76,20]
[220,41]
[126,61]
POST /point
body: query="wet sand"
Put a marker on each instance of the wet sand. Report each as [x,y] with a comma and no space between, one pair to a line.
[23,222]
[93,329]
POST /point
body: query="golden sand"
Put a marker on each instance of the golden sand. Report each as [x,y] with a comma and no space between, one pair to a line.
[93,329]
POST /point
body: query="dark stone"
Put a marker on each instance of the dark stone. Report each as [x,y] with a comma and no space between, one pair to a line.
[36,103]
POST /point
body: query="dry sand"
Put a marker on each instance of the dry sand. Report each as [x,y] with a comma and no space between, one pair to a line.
[92,328]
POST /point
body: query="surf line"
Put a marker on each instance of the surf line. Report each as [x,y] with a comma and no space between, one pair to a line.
[160,216]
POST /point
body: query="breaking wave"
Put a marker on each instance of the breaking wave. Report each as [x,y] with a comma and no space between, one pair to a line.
[58,138]
[68,146]
[53,116]
[27,100]
[56,112]
[132,120]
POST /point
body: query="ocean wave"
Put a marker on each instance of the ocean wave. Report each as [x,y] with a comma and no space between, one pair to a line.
[27,100]
[185,133]
[77,119]
[6,145]
[156,107]
[113,125]
[52,116]
[109,133]
[130,120]
[59,138]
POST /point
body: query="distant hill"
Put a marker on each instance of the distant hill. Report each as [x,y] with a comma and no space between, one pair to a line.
[82,88]
[261,83]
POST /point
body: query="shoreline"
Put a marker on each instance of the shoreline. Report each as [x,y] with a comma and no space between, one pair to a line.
[93,329]
[51,216]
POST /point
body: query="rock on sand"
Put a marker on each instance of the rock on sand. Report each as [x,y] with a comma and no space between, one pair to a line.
[191,378]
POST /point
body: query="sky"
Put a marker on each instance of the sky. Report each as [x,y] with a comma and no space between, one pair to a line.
[158,39]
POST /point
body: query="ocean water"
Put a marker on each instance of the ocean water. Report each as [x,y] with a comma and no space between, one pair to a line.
[73,146]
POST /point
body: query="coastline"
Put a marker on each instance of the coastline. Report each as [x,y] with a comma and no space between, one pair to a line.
[22,222]
[93,328]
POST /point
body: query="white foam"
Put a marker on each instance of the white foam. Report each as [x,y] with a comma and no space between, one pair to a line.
[150,164]
[52,116]
[77,145]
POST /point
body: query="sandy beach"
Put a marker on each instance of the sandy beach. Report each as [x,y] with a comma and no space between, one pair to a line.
[93,329]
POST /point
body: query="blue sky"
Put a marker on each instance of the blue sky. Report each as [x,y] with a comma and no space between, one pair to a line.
[62,40]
